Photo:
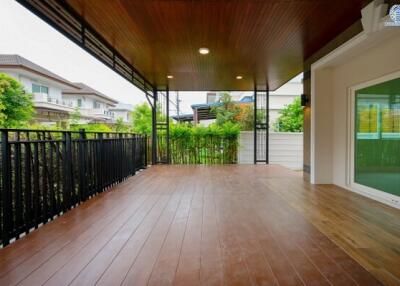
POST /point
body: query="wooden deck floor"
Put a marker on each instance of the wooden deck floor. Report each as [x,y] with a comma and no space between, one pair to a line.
[215,225]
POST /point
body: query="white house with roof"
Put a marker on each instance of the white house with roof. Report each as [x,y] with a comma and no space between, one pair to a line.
[93,105]
[123,111]
[278,99]
[45,86]
[54,97]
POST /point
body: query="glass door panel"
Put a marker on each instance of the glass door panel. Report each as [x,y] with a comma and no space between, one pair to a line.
[377,137]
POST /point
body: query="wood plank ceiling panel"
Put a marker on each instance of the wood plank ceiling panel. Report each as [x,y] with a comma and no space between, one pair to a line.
[258,40]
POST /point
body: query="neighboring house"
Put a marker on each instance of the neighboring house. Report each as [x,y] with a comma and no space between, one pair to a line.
[45,86]
[93,105]
[284,96]
[123,111]
[54,97]
[278,99]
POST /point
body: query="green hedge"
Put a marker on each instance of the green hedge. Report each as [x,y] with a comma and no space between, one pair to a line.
[203,145]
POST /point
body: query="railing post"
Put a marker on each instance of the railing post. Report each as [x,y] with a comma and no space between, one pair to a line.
[120,152]
[144,138]
[6,188]
[82,169]
[67,183]
[134,153]
[100,178]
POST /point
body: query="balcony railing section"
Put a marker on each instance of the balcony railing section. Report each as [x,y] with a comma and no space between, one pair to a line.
[45,173]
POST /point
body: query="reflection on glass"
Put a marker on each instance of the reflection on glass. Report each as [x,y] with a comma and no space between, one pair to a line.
[377,138]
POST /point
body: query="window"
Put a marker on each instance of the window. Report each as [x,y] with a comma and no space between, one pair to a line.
[377,137]
[96,105]
[79,102]
[40,89]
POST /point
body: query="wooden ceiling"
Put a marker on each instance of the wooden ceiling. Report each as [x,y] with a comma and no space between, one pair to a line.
[258,40]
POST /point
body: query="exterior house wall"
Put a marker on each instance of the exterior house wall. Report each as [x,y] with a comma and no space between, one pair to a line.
[49,107]
[54,92]
[87,101]
[374,63]
[88,110]
[368,56]
[26,81]
[124,114]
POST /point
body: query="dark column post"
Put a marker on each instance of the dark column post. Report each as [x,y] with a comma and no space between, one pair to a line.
[167,128]
[154,129]
[255,123]
[267,125]
[5,195]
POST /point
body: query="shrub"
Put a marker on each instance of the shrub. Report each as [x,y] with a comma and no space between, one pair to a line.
[16,106]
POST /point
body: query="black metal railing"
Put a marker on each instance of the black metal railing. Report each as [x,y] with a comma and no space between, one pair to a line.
[45,173]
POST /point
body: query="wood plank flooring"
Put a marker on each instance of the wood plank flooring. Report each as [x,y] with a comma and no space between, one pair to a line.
[213,225]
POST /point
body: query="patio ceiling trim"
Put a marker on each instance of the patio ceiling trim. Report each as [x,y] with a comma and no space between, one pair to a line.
[63,18]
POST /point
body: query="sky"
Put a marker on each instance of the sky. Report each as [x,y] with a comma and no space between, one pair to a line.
[24,34]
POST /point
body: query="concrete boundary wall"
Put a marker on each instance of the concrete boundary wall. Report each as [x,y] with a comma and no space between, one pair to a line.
[286,149]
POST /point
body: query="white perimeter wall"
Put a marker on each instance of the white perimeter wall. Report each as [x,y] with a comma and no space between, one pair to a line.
[286,149]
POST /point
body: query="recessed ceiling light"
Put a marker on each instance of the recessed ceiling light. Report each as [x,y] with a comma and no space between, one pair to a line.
[239,77]
[170,76]
[204,51]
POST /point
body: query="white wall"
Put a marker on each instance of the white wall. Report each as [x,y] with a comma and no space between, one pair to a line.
[125,115]
[27,79]
[331,103]
[323,108]
[371,55]
[286,149]
[374,63]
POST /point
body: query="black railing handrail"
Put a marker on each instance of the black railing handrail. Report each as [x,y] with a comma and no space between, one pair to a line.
[42,177]
[63,131]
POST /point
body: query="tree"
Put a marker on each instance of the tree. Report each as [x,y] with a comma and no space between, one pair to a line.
[120,126]
[291,118]
[226,110]
[141,119]
[246,117]
[16,106]
[75,116]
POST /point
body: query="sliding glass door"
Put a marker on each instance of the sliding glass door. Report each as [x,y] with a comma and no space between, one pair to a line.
[377,137]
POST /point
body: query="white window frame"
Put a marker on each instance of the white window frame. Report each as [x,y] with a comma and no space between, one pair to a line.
[40,88]
[375,194]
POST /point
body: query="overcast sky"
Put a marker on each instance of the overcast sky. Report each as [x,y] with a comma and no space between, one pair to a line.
[25,34]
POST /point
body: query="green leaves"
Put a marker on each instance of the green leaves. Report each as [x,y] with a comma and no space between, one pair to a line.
[141,119]
[291,118]
[75,116]
[120,126]
[16,106]
[227,110]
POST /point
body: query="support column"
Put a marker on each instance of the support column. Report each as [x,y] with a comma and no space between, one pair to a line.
[154,128]
[255,123]
[261,125]
[167,128]
[267,126]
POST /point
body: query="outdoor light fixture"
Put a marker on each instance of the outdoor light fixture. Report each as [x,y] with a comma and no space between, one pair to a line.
[304,100]
[239,77]
[170,76]
[204,51]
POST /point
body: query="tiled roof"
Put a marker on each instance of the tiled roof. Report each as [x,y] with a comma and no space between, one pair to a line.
[18,61]
[123,107]
[85,89]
